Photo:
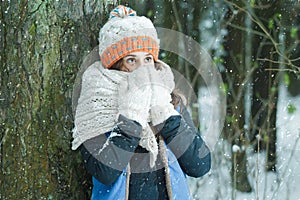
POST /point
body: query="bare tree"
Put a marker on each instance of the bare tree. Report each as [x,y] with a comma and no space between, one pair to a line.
[257,66]
[235,76]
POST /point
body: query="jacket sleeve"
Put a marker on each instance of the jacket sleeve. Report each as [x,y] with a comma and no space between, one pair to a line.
[107,155]
[186,143]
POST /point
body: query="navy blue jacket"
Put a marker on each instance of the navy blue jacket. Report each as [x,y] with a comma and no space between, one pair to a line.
[106,158]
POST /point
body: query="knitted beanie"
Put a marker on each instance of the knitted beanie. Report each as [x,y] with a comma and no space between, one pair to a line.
[124,33]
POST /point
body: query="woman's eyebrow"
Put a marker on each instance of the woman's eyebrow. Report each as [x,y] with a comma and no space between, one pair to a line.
[130,55]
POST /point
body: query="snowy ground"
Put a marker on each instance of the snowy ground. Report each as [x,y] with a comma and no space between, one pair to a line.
[283,185]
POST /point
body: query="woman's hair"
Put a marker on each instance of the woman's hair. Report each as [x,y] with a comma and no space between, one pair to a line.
[178,99]
[117,65]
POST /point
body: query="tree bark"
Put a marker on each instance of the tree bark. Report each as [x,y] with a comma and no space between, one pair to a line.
[290,27]
[42,46]
[234,77]
[265,84]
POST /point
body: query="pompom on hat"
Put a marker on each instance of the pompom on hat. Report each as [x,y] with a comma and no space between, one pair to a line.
[124,33]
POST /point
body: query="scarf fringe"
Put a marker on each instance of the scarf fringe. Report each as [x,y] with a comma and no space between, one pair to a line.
[165,163]
[127,182]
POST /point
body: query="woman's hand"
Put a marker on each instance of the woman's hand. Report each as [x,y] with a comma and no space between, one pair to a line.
[162,84]
[135,95]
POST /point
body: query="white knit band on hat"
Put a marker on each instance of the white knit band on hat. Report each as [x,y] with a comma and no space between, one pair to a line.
[125,33]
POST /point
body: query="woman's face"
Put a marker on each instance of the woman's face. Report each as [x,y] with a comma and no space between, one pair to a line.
[136,59]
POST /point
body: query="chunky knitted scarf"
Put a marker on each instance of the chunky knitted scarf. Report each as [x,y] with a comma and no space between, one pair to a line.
[97,109]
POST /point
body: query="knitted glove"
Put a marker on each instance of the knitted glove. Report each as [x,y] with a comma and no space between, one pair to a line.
[135,95]
[162,84]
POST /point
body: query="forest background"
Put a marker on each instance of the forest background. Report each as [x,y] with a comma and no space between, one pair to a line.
[253,43]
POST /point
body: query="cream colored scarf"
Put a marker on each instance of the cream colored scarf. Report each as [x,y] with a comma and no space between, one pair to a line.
[97,109]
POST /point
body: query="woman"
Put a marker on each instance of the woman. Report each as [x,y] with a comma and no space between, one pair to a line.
[132,139]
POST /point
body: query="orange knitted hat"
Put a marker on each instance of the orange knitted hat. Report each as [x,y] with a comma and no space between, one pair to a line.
[124,33]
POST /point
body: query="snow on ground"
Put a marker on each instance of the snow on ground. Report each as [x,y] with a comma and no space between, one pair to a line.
[283,185]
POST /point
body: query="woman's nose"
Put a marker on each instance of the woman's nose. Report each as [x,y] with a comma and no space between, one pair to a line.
[140,62]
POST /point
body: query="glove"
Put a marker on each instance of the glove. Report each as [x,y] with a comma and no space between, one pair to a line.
[135,95]
[162,84]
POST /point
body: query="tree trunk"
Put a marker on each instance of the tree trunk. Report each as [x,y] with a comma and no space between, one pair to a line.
[291,29]
[234,77]
[265,84]
[42,45]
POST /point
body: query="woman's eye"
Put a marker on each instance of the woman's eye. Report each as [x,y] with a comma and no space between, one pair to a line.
[130,60]
[148,59]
